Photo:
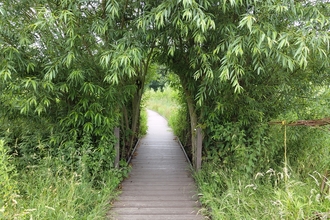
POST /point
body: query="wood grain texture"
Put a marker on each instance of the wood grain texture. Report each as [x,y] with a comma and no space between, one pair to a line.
[160,185]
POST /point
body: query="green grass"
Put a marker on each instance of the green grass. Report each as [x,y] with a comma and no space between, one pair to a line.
[165,103]
[266,196]
[50,191]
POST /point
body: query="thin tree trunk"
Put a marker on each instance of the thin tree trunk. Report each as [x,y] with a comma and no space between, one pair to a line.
[125,127]
[193,125]
[135,119]
[193,119]
[136,104]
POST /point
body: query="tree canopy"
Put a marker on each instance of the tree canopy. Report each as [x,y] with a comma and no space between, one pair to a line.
[82,65]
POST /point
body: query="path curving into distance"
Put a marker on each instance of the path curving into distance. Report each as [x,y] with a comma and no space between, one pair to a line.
[160,186]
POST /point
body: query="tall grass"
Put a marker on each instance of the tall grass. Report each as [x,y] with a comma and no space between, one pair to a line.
[50,191]
[8,183]
[164,102]
[266,196]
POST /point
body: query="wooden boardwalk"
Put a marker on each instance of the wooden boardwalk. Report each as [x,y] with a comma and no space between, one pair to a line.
[160,186]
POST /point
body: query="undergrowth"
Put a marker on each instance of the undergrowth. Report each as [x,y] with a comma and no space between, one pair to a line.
[266,196]
[51,191]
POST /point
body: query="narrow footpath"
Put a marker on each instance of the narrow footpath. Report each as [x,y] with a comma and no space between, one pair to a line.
[160,186]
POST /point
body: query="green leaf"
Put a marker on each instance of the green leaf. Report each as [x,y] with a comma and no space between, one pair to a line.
[69,58]
[5,74]
[88,127]
[76,77]
[248,20]
[30,67]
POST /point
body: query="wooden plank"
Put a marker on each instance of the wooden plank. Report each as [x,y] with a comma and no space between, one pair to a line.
[161,166]
[156,193]
[148,184]
[167,158]
[173,160]
[175,188]
[160,154]
[155,145]
[154,204]
[157,211]
[157,217]
[164,172]
[160,177]
[159,198]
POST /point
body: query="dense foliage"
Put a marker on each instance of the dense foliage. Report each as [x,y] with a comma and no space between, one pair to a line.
[61,100]
[259,61]
[241,63]
[60,67]
[72,71]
